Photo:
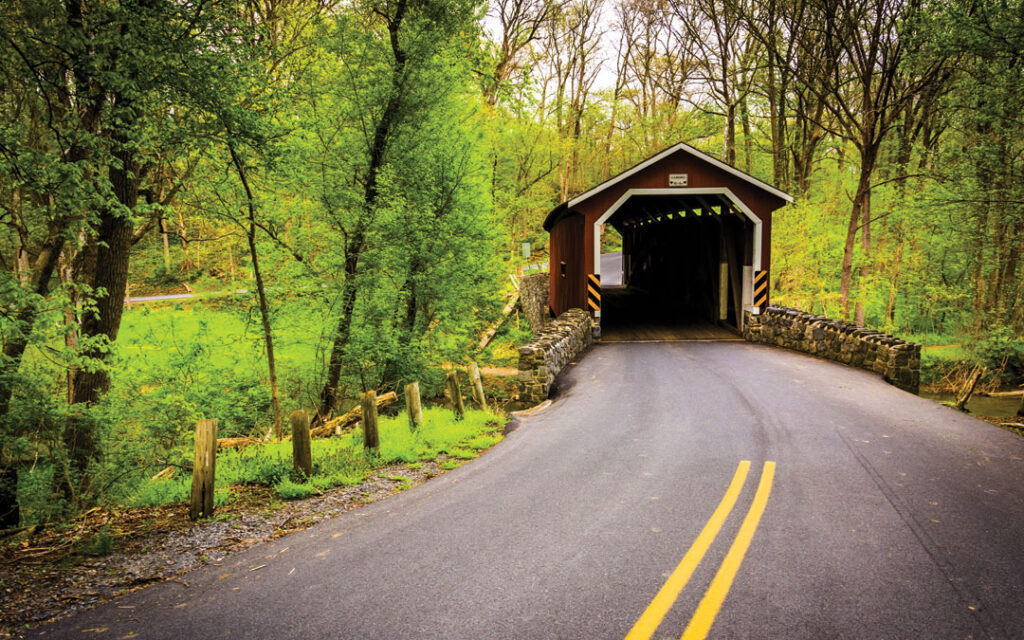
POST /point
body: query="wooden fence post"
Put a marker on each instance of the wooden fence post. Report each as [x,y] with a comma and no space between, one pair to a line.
[477,385]
[302,448]
[371,440]
[413,405]
[455,393]
[204,470]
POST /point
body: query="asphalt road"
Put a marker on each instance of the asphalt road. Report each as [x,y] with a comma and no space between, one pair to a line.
[888,516]
[611,269]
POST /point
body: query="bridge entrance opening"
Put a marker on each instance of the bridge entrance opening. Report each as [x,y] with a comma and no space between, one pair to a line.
[681,273]
[696,241]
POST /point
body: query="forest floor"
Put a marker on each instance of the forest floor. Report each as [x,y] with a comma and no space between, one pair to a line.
[1015,425]
[105,553]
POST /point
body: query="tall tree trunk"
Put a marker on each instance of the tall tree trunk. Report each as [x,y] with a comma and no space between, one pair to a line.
[166,245]
[865,244]
[67,278]
[730,134]
[748,150]
[109,273]
[775,116]
[980,240]
[268,334]
[382,133]
[846,276]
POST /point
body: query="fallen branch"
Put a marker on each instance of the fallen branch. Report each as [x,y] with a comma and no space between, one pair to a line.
[165,474]
[1001,394]
[493,329]
[345,420]
[235,443]
[968,389]
[28,531]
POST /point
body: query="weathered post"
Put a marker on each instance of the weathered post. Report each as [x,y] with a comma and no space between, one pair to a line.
[413,405]
[1020,408]
[455,395]
[203,470]
[369,404]
[302,447]
[477,386]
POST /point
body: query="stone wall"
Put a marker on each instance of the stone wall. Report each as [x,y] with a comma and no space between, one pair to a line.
[533,297]
[898,361]
[557,344]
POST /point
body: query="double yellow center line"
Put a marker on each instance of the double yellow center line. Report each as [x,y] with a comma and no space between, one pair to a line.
[704,617]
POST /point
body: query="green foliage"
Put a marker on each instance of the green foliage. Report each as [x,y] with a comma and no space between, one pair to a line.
[154,493]
[337,461]
[289,490]
[1002,352]
[98,545]
[39,500]
[394,181]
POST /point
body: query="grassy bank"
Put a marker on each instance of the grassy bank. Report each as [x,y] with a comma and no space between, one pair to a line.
[337,461]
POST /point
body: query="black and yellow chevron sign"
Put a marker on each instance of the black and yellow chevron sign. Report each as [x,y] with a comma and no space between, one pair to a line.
[760,288]
[594,292]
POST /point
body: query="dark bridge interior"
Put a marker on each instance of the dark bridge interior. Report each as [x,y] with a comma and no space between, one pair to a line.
[676,250]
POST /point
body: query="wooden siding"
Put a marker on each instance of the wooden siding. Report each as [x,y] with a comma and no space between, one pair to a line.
[701,175]
[568,271]
[572,236]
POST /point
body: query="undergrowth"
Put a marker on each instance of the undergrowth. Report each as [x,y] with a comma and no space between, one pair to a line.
[339,461]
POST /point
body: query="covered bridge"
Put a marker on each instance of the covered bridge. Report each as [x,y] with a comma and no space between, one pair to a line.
[696,247]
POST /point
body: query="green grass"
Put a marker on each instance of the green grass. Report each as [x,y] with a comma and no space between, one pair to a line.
[339,461]
[179,363]
[938,362]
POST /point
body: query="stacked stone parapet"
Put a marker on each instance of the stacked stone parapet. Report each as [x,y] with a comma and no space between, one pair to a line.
[898,361]
[556,345]
[533,297]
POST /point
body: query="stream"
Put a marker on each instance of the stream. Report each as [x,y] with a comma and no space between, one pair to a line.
[992,406]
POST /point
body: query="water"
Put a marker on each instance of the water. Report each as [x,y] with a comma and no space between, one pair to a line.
[994,407]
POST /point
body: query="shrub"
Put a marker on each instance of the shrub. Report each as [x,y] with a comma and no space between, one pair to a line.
[289,490]
[157,492]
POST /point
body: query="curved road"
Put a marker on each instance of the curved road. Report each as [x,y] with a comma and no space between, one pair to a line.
[888,516]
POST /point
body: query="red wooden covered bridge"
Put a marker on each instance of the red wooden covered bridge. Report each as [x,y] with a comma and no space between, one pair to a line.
[696,248]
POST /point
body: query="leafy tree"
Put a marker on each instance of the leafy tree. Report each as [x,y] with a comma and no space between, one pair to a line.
[98,96]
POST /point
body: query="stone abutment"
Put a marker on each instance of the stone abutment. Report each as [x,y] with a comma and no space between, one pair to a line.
[898,361]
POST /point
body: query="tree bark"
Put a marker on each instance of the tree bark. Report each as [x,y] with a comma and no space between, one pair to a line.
[382,134]
[268,334]
[99,327]
[865,244]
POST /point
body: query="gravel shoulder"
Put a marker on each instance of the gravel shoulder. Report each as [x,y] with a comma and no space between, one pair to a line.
[56,573]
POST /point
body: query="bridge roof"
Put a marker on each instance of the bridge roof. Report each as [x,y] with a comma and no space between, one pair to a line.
[681,147]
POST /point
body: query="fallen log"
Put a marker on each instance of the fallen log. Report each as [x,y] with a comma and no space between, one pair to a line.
[968,389]
[1001,394]
[349,418]
[493,329]
[166,473]
[20,532]
[235,443]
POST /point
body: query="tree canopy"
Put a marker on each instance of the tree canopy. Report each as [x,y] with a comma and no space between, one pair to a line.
[361,175]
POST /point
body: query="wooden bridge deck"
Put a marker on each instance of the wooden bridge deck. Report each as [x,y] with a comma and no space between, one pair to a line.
[653,332]
[629,315]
